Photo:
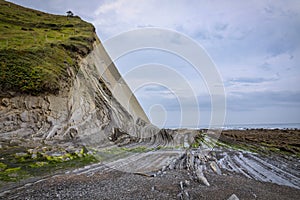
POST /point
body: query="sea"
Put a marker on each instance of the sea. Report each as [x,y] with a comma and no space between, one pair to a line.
[281,126]
[261,126]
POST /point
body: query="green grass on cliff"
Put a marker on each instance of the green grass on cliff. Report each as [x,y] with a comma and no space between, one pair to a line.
[36,49]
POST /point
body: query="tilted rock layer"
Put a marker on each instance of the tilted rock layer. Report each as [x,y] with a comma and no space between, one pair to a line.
[87,112]
[61,88]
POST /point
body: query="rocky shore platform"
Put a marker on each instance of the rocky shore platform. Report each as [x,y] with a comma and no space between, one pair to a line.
[248,164]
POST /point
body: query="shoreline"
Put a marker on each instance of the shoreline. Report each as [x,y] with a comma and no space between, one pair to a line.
[271,148]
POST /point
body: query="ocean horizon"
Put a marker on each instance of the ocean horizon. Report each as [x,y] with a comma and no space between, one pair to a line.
[247,126]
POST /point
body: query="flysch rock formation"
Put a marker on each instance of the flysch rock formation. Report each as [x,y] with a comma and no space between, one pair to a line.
[86,113]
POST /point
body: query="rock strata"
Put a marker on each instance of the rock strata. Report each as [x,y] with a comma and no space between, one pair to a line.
[87,113]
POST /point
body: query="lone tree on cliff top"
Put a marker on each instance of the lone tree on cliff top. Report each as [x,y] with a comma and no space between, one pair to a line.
[70,14]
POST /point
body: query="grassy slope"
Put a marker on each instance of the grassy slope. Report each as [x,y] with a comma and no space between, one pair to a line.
[36,49]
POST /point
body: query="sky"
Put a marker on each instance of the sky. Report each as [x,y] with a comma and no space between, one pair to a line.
[254,45]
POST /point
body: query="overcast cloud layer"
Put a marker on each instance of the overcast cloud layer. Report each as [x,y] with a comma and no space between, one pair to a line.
[254,44]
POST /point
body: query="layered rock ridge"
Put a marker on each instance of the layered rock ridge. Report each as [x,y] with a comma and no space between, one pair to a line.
[87,111]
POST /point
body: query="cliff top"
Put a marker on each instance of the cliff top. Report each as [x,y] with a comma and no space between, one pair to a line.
[37,49]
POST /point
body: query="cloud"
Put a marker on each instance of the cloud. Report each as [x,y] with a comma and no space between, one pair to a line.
[241,102]
[252,80]
[82,9]
[254,44]
[179,111]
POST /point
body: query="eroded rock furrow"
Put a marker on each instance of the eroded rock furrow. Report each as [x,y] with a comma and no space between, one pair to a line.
[259,168]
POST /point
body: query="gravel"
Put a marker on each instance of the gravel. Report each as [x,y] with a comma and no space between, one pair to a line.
[174,184]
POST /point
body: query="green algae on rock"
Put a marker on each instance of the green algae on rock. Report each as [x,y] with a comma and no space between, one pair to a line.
[20,165]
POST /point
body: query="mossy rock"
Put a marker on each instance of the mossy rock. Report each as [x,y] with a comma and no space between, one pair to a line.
[38,164]
[18,165]
[12,170]
[2,166]
[12,174]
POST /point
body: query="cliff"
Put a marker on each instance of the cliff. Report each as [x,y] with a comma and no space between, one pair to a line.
[57,85]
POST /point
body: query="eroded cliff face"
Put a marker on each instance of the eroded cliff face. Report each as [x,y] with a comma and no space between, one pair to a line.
[90,112]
